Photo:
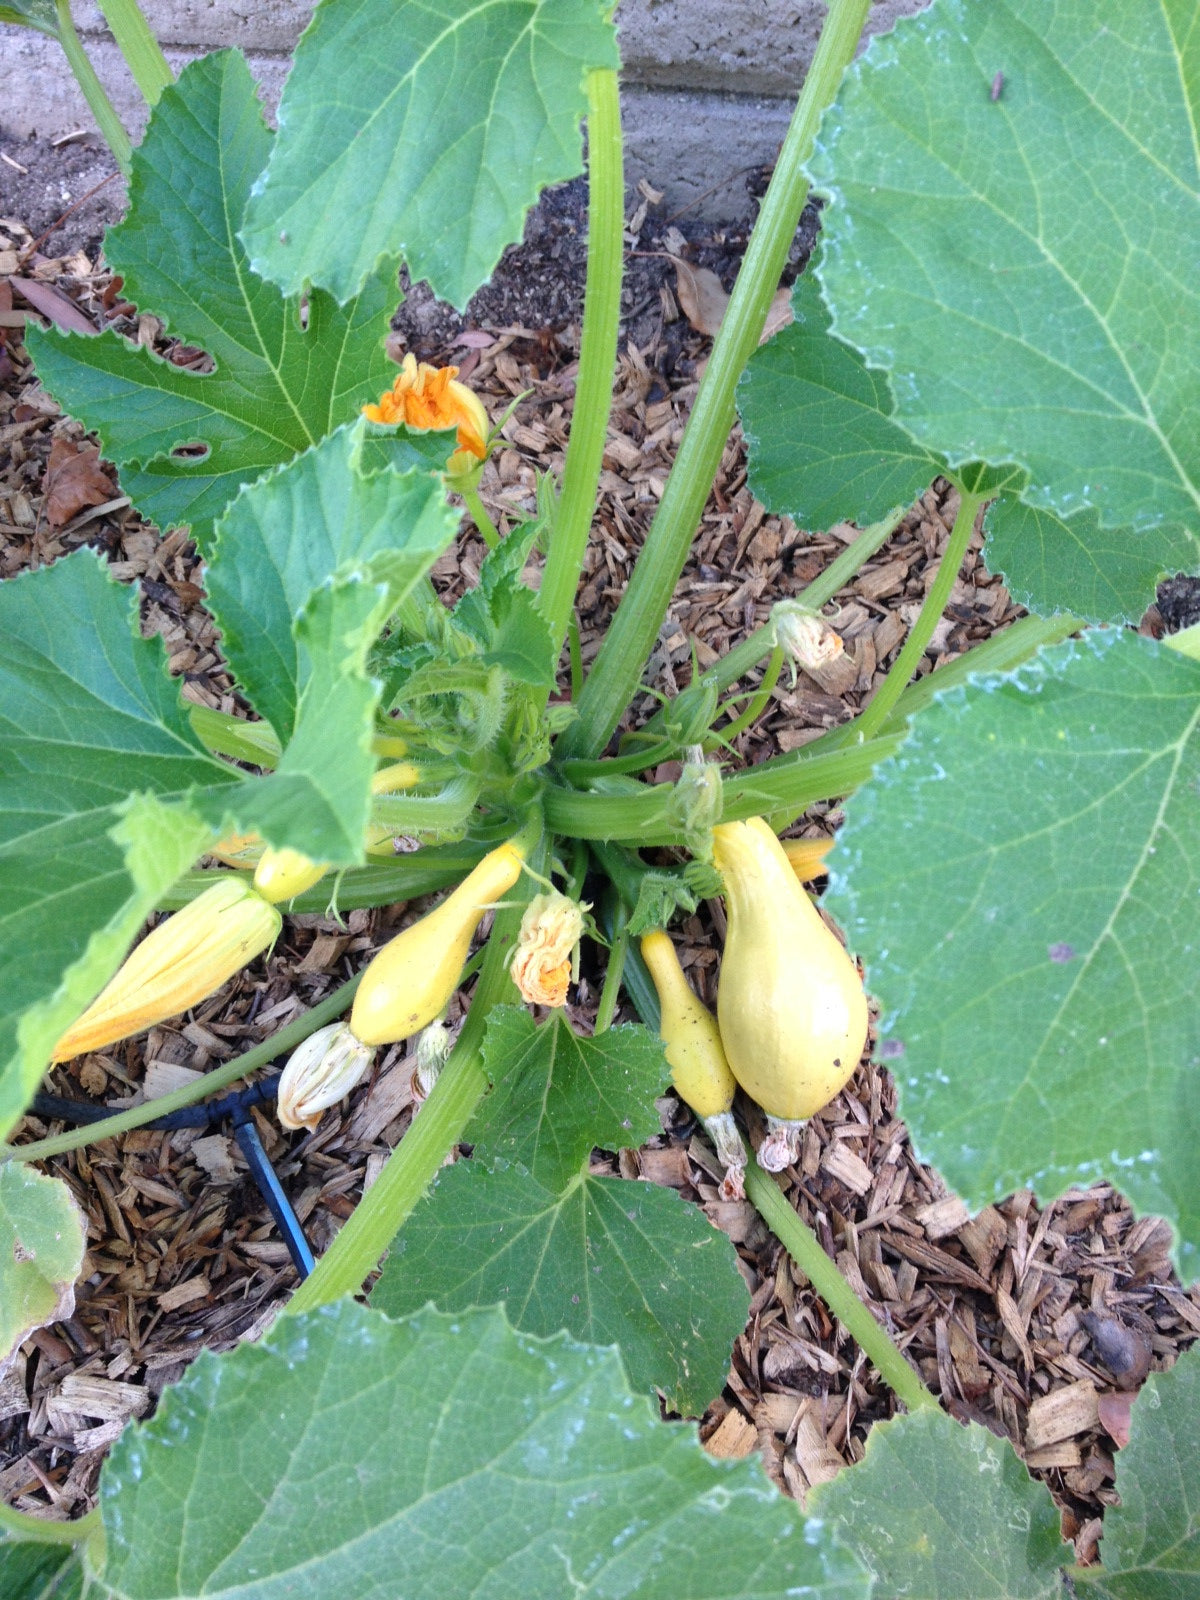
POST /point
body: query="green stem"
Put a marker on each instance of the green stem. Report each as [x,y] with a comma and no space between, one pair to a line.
[757,704]
[139,47]
[100,105]
[46,1530]
[614,971]
[416,1160]
[220,1078]
[802,1244]
[427,813]
[618,668]
[576,653]
[488,531]
[919,635]
[597,353]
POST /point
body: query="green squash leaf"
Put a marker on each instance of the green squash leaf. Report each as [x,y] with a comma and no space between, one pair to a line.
[819,431]
[447,1456]
[448,117]
[554,1094]
[1021,260]
[39,14]
[322,515]
[1075,564]
[185,441]
[42,1239]
[33,1571]
[610,1261]
[1021,880]
[937,1510]
[1151,1544]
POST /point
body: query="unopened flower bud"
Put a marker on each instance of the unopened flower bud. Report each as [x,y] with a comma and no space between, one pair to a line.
[319,1073]
[806,639]
[697,802]
[541,961]
[182,961]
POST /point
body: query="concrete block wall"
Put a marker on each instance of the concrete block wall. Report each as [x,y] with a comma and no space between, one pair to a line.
[708,85]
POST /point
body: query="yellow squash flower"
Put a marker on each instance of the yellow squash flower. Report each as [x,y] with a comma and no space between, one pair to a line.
[431,397]
[541,960]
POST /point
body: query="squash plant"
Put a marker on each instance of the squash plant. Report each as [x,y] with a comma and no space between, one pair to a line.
[1005,296]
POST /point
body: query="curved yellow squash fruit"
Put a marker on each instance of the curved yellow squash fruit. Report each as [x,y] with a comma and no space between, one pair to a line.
[689,1031]
[407,983]
[790,1002]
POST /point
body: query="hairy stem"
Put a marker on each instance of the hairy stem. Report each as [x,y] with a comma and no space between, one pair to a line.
[802,1244]
[99,104]
[139,47]
[487,529]
[597,355]
[909,659]
[619,666]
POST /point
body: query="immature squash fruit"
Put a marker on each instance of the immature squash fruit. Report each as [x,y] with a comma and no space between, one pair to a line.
[790,1003]
[408,982]
[696,1055]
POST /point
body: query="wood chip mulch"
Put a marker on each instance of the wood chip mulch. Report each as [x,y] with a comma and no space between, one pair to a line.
[1037,1323]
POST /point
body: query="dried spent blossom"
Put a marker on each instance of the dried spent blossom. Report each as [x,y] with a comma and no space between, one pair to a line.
[422,396]
[541,961]
[806,639]
[319,1073]
[433,1048]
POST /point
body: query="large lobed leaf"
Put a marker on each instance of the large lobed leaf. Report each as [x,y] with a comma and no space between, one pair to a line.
[525,1224]
[444,119]
[825,446]
[346,1454]
[281,382]
[1013,238]
[1021,880]
[609,1261]
[554,1094]
[939,1511]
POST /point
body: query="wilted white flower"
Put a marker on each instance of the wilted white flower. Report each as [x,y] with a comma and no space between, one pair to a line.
[806,639]
[320,1071]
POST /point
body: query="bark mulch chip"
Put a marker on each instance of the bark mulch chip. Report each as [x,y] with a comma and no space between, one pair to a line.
[1037,1323]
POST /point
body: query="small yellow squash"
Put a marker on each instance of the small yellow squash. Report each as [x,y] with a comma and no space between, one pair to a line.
[407,983]
[790,1002]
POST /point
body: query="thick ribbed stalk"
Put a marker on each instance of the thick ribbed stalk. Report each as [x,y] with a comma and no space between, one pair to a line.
[99,104]
[921,632]
[597,353]
[802,1244]
[619,666]
[139,47]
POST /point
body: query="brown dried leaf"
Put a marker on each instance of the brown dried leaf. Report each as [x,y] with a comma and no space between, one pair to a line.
[701,297]
[703,301]
[74,480]
[1115,1410]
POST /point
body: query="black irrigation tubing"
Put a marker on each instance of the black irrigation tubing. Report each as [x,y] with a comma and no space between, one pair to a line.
[236,1107]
